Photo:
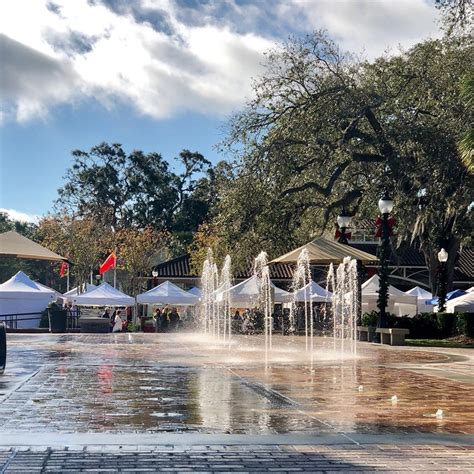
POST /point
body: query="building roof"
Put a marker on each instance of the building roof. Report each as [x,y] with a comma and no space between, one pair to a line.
[405,256]
[180,267]
[13,244]
[322,251]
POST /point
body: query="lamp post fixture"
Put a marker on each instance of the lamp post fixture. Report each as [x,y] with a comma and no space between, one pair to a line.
[97,279]
[385,206]
[154,274]
[343,221]
[442,285]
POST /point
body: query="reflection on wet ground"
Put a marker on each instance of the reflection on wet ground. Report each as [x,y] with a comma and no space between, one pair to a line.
[184,383]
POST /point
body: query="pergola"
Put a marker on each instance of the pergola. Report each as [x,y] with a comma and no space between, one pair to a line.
[324,252]
[12,244]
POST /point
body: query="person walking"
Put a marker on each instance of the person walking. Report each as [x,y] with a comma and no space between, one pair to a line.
[118,323]
[157,318]
[174,320]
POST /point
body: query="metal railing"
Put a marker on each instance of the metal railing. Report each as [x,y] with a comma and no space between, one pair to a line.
[11,320]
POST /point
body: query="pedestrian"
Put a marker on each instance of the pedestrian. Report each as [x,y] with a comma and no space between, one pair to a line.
[165,320]
[106,313]
[174,319]
[118,323]
[157,317]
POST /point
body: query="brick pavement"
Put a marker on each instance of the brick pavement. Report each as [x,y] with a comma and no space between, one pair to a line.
[220,458]
[77,387]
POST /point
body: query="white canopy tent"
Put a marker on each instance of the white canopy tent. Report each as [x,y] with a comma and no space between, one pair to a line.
[422,296]
[195,292]
[103,295]
[57,295]
[69,295]
[317,293]
[245,293]
[399,303]
[463,304]
[168,293]
[20,295]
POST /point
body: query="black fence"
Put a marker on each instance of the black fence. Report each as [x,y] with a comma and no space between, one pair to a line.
[38,320]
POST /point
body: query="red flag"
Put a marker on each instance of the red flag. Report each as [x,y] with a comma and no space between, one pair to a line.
[62,270]
[108,264]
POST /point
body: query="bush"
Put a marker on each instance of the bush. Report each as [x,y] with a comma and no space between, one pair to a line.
[370,319]
[465,324]
[446,323]
[424,326]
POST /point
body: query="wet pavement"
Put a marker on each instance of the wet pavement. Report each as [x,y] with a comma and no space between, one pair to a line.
[191,389]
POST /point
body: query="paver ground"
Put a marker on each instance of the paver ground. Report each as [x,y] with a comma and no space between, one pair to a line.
[181,402]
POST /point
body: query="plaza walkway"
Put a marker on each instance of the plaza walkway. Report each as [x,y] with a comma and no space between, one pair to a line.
[137,402]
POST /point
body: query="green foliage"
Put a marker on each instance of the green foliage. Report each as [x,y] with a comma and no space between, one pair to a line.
[370,319]
[446,323]
[325,131]
[123,190]
[465,324]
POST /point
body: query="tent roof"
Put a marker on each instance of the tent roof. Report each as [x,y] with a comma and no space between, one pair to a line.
[73,292]
[13,244]
[420,293]
[167,293]
[56,293]
[103,295]
[462,303]
[20,286]
[195,291]
[450,296]
[247,291]
[317,293]
[323,251]
[371,289]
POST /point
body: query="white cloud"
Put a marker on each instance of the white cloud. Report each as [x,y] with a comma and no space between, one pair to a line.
[21,216]
[164,58]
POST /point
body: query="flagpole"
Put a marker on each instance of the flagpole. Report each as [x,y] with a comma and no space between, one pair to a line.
[115,269]
[67,281]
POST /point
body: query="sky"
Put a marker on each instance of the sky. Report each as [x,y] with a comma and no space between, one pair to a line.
[155,75]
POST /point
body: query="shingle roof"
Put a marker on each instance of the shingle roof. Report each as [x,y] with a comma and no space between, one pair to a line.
[180,267]
[406,256]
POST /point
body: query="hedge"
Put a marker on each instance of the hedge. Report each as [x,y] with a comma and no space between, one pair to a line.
[428,325]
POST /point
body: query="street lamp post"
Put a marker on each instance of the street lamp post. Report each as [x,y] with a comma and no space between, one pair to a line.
[343,221]
[97,279]
[442,280]
[154,274]
[385,206]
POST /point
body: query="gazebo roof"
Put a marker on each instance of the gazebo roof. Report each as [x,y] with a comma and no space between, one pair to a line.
[13,244]
[322,251]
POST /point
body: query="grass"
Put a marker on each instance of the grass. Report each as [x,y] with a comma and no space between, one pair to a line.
[440,343]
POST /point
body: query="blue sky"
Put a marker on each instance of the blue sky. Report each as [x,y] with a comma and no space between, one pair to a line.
[157,75]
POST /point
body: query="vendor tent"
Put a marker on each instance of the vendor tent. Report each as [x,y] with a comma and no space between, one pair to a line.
[13,244]
[450,296]
[399,303]
[168,293]
[69,295]
[195,292]
[322,251]
[422,296]
[103,295]
[21,296]
[317,293]
[245,293]
[57,295]
[462,304]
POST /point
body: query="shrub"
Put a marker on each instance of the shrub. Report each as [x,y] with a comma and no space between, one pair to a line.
[446,323]
[465,324]
[424,326]
[370,319]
